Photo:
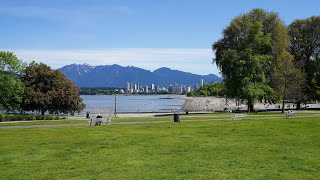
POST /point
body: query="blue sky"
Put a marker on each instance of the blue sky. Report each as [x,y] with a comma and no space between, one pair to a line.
[143,33]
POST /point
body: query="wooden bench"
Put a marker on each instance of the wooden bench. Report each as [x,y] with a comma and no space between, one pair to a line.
[238,116]
[289,114]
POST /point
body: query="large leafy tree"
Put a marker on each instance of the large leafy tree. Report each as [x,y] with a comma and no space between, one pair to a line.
[289,82]
[49,90]
[11,88]
[248,53]
[305,48]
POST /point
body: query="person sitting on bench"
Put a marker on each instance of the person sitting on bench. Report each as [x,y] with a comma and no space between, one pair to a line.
[98,121]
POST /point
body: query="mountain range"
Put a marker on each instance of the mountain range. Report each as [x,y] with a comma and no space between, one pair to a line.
[85,75]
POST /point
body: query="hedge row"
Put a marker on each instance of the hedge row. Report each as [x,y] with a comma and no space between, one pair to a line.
[26,117]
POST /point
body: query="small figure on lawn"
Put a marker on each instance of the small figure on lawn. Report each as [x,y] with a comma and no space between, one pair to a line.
[98,121]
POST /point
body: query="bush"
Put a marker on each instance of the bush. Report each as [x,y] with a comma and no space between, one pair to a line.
[18,117]
[39,117]
[26,117]
[31,117]
[1,117]
[49,117]
[9,118]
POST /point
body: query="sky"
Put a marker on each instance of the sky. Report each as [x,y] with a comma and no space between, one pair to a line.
[144,33]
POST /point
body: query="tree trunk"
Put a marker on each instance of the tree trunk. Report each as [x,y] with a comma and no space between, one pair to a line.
[250,106]
[283,99]
[284,95]
[43,111]
[298,105]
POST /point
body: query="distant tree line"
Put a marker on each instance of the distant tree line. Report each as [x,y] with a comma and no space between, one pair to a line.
[98,91]
[35,87]
[111,91]
[215,89]
[260,58]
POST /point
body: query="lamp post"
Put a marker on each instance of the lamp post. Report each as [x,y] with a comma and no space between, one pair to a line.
[115,103]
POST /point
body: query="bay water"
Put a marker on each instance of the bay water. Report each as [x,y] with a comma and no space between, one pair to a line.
[133,103]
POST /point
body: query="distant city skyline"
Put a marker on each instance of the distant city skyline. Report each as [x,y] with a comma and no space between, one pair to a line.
[148,34]
[175,88]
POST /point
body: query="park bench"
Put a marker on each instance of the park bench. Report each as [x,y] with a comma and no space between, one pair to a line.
[238,116]
[289,114]
[106,118]
[98,120]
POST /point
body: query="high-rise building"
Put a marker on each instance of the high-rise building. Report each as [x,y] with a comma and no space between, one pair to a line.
[152,87]
[196,86]
[147,90]
[135,88]
[188,89]
[156,89]
[201,83]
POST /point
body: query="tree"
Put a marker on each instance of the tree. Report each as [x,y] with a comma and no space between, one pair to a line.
[215,89]
[248,54]
[289,82]
[305,48]
[11,88]
[49,90]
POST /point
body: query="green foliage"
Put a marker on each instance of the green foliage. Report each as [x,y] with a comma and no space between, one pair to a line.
[98,91]
[26,117]
[248,54]
[11,88]
[49,90]
[305,48]
[215,89]
[10,63]
[39,117]
[11,92]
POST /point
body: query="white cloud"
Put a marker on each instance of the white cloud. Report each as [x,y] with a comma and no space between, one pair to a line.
[194,60]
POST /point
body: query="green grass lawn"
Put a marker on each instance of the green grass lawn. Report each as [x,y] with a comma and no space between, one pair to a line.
[259,149]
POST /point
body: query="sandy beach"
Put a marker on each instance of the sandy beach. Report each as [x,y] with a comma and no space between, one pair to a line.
[211,104]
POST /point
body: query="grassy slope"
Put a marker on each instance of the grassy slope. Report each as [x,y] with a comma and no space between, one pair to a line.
[273,149]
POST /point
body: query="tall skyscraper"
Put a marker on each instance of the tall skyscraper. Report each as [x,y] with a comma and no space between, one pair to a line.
[135,88]
[128,86]
[188,89]
[196,86]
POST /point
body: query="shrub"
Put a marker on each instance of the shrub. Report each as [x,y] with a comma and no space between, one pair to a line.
[27,117]
[1,117]
[32,117]
[56,118]
[9,118]
[18,117]
[39,117]
[48,117]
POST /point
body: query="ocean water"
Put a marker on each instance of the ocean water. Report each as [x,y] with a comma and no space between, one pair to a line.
[133,103]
